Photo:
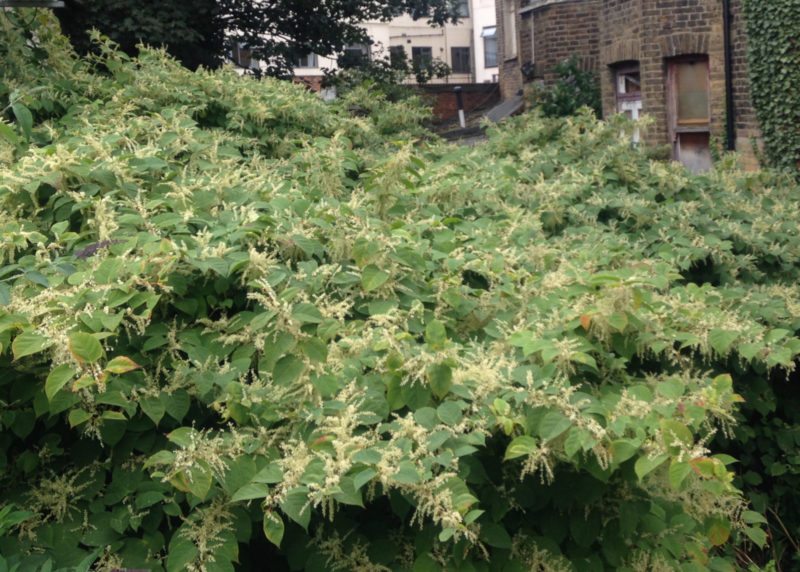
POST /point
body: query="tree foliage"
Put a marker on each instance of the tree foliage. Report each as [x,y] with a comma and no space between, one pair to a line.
[240,325]
[201,32]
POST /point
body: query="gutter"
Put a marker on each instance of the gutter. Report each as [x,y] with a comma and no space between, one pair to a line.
[730,115]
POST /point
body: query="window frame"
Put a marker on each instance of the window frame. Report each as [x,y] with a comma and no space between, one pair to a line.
[462,50]
[311,61]
[628,102]
[684,133]
[417,61]
[487,39]
[687,125]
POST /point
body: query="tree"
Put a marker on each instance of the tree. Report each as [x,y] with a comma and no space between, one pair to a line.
[201,32]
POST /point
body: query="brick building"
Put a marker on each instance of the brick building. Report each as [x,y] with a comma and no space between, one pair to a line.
[661,58]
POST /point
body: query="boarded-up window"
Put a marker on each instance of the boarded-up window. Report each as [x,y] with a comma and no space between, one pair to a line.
[689,111]
[691,90]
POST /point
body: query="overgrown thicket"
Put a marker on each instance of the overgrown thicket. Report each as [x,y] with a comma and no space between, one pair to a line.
[242,328]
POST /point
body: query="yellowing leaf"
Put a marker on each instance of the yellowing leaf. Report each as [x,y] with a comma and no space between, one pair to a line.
[121,364]
[85,348]
[29,343]
[273,527]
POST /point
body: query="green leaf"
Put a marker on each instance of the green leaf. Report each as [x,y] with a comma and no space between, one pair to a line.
[29,343]
[363,477]
[153,408]
[182,436]
[201,481]
[721,340]
[674,432]
[373,278]
[85,348]
[407,474]
[449,413]
[553,424]
[440,377]
[78,416]
[273,527]
[756,535]
[495,535]
[24,118]
[250,491]
[58,378]
[618,321]
[520,446]
[753,517]
[181,553]
[622,450]
[176,404]
[297,507]
[307,313]
[645,465]
[287,370]
[435,334]
[678,473]
[8,134]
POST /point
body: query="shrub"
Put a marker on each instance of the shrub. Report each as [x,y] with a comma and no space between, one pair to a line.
[239,325]
[573,89]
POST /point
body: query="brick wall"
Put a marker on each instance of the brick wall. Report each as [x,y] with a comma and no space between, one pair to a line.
[510,79]
[476,96]
[563,30]
[651,31]
[312,82]
[748,130]
[605,33]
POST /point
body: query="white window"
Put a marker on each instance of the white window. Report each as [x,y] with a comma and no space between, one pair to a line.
[489,35]
[462,8]
[354,55]
[629,93]
[306,61]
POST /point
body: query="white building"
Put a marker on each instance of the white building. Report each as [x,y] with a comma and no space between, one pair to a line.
[469,47]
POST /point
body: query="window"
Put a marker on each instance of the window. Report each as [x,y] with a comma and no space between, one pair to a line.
[462,8]
[628,89]
[689,111]
[397,57]
[305,61]
[354,56]
[509,29]
[691,92]
[461,61]
[489,35]
[421,56]
[241,55]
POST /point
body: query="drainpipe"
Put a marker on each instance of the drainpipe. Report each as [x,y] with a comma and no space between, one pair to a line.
[730,123]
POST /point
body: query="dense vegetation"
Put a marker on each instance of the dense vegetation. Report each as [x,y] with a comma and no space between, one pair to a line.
[240,326]
[774,64]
